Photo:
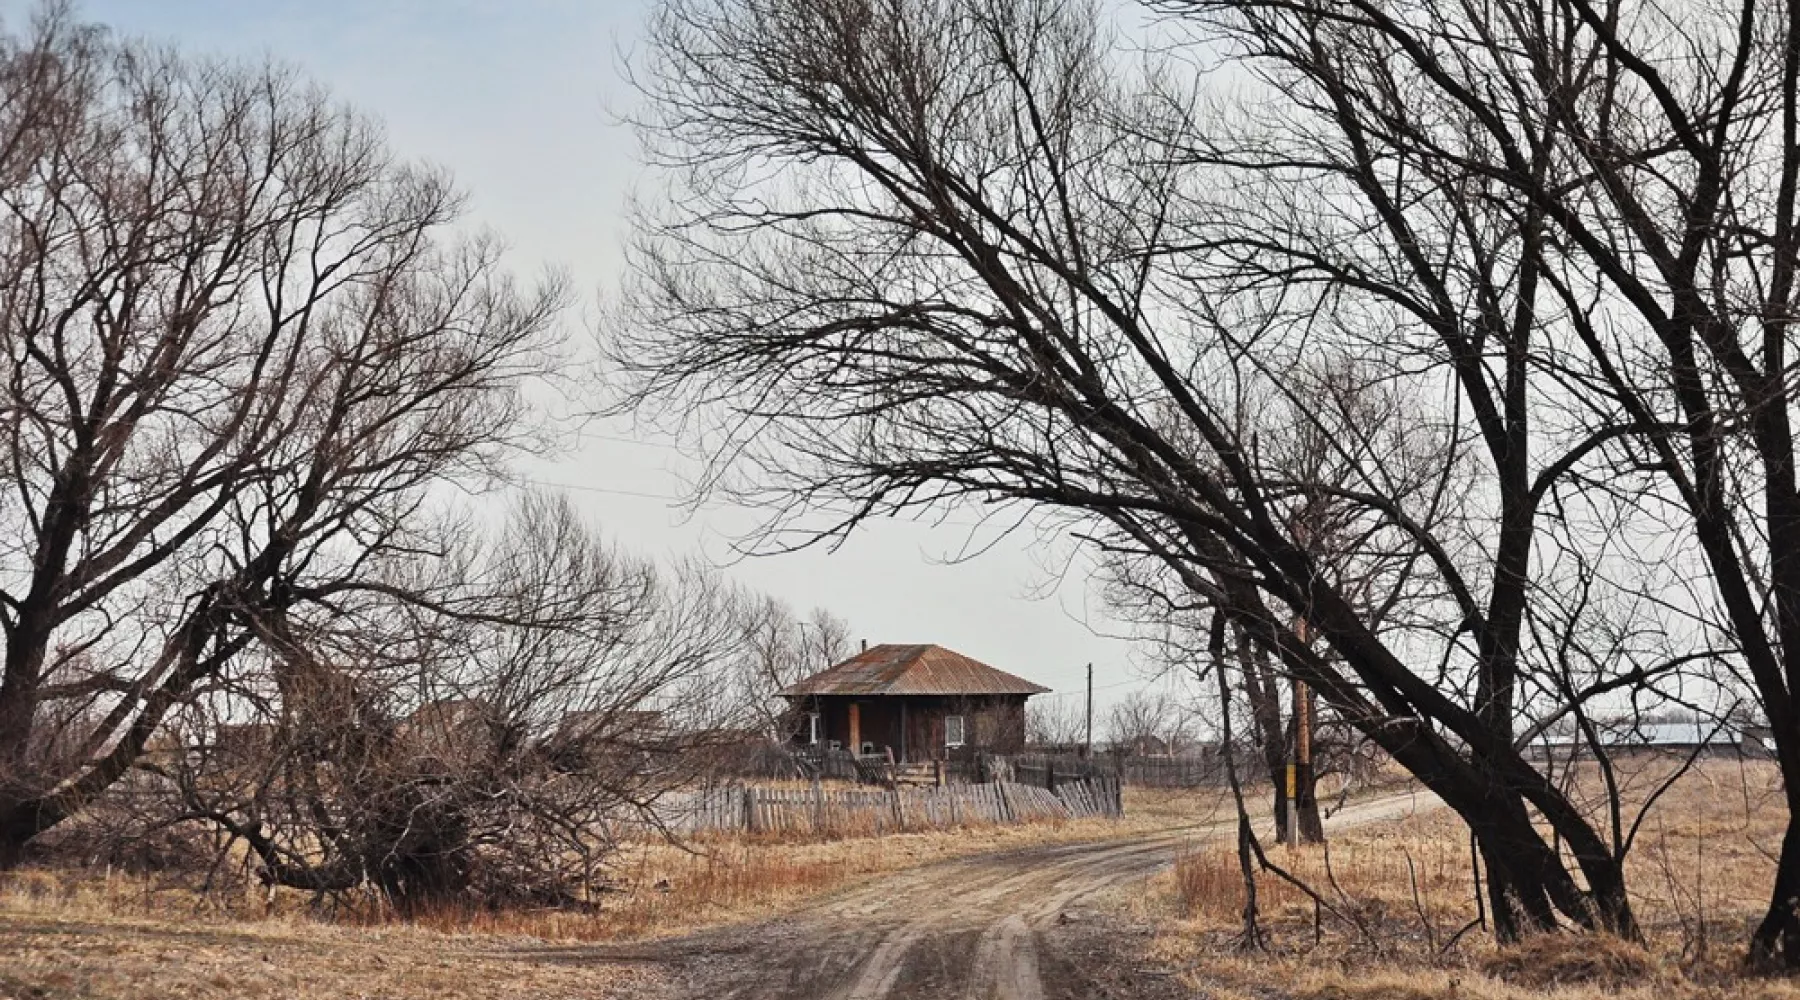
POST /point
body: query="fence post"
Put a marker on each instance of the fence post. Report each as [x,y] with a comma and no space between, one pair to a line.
[750,808]
[1006,810]
[899,809]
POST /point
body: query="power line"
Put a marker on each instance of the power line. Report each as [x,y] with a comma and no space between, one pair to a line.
[665,445]
[1097,687]
[930,522]
[602,489]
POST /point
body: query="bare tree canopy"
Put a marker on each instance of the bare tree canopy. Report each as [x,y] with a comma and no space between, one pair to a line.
[776,648]
[1056,724]
[924,252]
[242,356]
[1148,722]
[473,759]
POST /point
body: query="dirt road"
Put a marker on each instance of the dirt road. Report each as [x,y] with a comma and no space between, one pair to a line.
[993,927]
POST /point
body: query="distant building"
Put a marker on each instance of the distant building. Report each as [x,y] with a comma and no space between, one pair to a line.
[452,730]
[1621,736]
[920,703]
[1145,745]
[1679,737]
[1759,741]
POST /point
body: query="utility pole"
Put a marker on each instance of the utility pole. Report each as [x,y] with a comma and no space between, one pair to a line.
[1088,750]
[1301,768]
[1293,807]
[1302,772]
[1303,730]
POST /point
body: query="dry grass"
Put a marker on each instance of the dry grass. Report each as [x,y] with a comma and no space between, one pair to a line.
[59,956]
[66,935]
[668,889]
[1396,894]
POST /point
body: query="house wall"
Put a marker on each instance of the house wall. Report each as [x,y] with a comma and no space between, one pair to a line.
[913,726]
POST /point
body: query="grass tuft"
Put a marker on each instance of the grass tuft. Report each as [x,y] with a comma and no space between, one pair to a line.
[1550,960]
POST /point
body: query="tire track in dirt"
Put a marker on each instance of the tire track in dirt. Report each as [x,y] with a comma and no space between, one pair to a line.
[988,940]
[968,929]
[1005,963]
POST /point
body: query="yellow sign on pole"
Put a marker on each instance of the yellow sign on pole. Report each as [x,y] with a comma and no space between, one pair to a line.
[1293,782]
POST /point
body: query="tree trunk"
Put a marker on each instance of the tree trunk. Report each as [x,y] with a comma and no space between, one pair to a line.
[1519,895]
[1306,781]
[1312,825]
[1278,781]
[1262,688]
[1776,943]
[16,832]
[1529,884]
[1306,788]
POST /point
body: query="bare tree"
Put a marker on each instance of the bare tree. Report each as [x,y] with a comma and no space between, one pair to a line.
[1055,723]
[1588,214]
[241,356]
[1342,400]
[779,649]
[929,253]
[1145,722]
[483,758]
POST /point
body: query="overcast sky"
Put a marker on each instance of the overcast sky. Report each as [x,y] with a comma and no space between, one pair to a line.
[521,101]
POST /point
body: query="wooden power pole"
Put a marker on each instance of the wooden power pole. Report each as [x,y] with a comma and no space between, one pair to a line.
[1088,749]
[1300,771]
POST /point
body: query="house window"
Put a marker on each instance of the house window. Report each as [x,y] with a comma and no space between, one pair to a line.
[953,731]
[812,728]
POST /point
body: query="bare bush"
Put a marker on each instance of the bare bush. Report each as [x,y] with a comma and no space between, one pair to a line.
[482,759]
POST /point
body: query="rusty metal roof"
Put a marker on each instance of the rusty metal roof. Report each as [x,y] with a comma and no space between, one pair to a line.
[903,670]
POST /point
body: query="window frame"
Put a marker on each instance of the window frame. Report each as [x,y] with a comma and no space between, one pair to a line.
[962,731]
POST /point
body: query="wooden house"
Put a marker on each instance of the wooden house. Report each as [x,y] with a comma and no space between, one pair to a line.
[920,703]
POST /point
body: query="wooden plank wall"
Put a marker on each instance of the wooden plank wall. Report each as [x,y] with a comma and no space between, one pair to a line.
[850,812]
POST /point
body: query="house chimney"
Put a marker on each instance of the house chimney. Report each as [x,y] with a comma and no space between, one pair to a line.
[865,643]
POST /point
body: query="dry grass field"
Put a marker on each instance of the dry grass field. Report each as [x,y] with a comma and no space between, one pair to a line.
[68,935]
[1700,869]
[1399,893]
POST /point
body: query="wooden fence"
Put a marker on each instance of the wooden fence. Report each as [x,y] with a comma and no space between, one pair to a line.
[1190,771]
[844,812]
[1198,770]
